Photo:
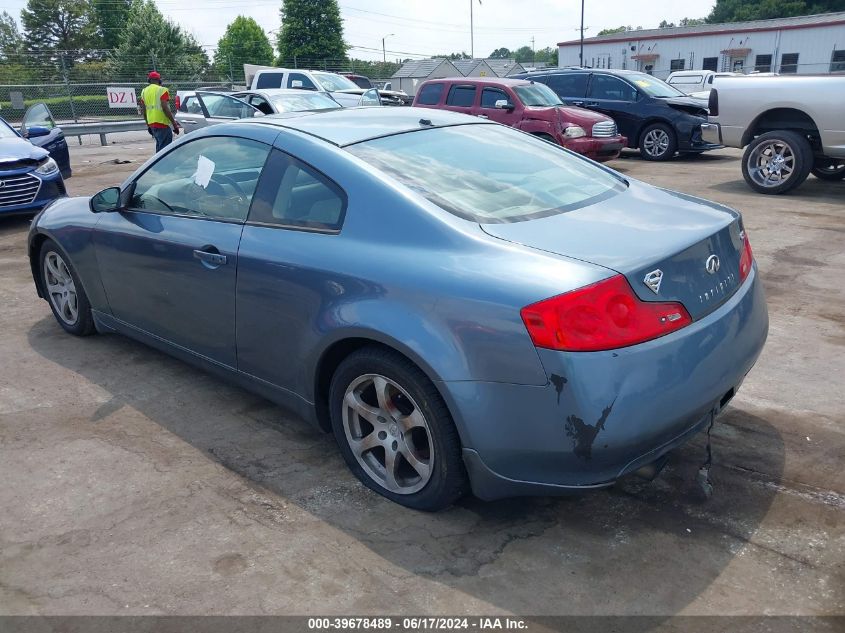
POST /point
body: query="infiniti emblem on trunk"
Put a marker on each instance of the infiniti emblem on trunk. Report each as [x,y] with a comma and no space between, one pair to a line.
[712,264]
[653,279]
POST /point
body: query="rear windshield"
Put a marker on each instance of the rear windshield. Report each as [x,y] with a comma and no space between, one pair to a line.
[489,173]
[538,95]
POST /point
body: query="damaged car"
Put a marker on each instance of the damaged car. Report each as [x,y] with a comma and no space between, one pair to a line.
[656,118]
[463,305]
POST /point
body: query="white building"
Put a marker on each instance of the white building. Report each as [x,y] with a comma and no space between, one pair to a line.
[805,44]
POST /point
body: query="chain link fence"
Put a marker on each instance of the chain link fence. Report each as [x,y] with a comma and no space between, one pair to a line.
[74,84]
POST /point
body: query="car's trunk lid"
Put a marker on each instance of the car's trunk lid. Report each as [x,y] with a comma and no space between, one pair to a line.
[640,232]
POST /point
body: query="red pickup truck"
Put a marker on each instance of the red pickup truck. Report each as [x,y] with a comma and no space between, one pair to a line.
[527,106]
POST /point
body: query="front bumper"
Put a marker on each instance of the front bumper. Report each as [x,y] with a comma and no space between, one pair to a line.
[606,414]
[690,136]
[598,149]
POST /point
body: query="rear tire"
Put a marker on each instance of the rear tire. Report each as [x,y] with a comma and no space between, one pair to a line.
[658,142]
[777,162]
[829,170]
[395,431]
[64,292]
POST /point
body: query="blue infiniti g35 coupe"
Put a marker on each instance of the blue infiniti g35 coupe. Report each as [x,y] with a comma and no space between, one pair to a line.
[461,304]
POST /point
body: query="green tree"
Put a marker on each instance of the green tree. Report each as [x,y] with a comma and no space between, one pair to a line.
[65,25]
[10,38]
[244,42]
[150,41]
[547,55]
[111,18]
[523,54]
[311,29]
[618,29]
[742,10]
[501,53]
[452,56]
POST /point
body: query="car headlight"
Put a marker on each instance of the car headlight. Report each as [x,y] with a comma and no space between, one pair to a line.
[574,131]
[46,168]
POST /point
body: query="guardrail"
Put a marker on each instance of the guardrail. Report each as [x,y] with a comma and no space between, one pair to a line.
[102,128]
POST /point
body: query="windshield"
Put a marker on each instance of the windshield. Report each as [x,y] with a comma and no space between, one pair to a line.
[489,173]
[537,95]
[305,101]
[6,130]
[331,82]
[653,86]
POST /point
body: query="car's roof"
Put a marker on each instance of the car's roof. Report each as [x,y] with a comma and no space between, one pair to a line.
[502,81]
[346,126]
[570,69]
[275,92]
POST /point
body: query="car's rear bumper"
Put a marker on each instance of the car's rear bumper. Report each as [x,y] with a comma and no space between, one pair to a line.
[598,149]
[606,414]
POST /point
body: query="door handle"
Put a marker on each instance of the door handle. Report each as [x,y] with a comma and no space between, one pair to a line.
[482,116]
[189,122]
[577,103]
[592,104]
[209,257]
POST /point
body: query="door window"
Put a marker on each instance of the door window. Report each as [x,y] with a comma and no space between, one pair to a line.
[370,98]
[302,82]
[461,96]
[489,97]
[225,107]
[430,94]
[191,105]
[261,103]
[39,116]
[212,177]
[571,85]
[295,195]
[611,88]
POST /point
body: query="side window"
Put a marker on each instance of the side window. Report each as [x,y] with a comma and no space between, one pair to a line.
[269,80]
[462,96]
[430,94]
[295,195]
[571,85]
[191,105]
[39,116]
[298,80]
[226,107]
[261,104]
[489,97]
[212,177]
[611,88]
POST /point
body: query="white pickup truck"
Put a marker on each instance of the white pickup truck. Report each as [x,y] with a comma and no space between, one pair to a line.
[790,127]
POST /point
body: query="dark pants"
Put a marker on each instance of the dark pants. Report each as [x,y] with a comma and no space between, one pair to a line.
[163,137]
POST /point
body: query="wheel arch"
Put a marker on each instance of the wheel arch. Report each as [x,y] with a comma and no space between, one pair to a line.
[776,119]
[338,350]
[35,245]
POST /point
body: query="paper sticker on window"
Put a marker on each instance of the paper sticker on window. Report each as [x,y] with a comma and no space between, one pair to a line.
[642,83]
[205,169]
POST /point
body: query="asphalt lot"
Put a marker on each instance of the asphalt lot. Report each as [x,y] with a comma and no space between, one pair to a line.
[135,484]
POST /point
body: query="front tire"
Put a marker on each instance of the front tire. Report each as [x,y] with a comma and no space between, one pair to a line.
[395,431]
[658,142]
[777,162]
[64,292]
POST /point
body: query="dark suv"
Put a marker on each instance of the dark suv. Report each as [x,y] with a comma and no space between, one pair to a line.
[654,116]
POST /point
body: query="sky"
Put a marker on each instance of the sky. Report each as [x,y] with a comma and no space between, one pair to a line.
[422,28]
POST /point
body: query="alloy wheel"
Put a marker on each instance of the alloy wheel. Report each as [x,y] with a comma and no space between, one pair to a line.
[388,434]
[656,142]
[771,164]
[60,288]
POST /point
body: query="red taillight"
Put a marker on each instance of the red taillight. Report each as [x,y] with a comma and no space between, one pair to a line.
[746,259]
[604,315]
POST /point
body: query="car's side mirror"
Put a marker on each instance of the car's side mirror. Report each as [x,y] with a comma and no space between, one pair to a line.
[36,131]
[504,104]
[106,201]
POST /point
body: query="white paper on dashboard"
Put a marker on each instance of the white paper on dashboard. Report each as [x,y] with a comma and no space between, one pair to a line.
[205,169]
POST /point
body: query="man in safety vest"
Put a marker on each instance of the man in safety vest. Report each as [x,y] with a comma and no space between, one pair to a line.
[155,106]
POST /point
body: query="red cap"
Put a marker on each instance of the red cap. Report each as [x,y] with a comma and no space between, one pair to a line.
[153,75]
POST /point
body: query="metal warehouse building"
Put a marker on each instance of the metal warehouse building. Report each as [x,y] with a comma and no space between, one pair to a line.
[805,44]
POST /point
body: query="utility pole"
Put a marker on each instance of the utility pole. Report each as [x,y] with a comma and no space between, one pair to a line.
[383,49]
[533,52]
[471,33]
[581,54]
